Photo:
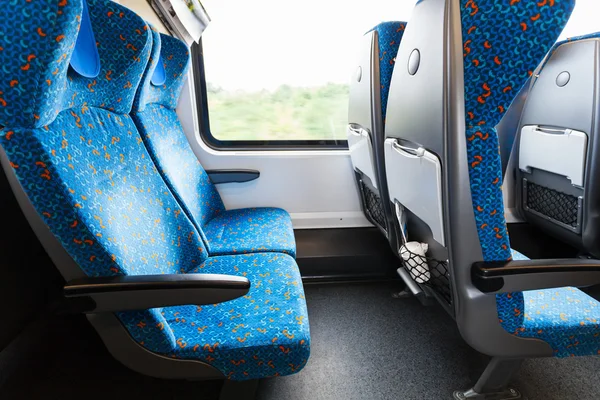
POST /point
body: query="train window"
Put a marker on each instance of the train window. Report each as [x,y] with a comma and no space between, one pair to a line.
[276,72]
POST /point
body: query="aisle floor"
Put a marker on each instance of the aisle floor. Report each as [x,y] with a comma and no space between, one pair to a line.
[366,345]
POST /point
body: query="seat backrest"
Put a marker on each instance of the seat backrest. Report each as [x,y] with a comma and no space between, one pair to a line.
[556,148]
[76,152]
[456,79]
[494,72]
[369,91]
[155,116]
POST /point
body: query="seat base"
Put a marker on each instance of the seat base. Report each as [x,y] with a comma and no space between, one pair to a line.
[493,383]
[508,394]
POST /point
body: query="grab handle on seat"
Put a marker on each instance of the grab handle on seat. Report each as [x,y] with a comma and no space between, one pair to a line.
[418,152]
[358,131]
[554,131]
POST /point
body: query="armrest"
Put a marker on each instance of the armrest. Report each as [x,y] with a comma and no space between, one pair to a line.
[218,176]
[518,276]
[121,293]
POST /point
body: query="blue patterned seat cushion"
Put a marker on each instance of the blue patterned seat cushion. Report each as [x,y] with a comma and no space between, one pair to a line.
[565,318]
[263,334]
[79,158]
[251,230]
[223,232]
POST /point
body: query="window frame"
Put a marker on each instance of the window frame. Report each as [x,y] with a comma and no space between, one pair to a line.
[203,112]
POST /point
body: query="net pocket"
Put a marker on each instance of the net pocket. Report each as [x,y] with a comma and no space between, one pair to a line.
[552,204]
[373,205]
[429,272]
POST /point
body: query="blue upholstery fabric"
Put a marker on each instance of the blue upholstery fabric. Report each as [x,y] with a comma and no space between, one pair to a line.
[33,60]
[223,231]
[390,35]
[87,172]
[503,43]
[251,230]
[35,85]
[176,60]
[91,179]
[167,144]
[565,318]
[516,256]
[231,336]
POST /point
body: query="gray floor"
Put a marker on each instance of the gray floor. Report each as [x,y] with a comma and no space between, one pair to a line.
[367,345]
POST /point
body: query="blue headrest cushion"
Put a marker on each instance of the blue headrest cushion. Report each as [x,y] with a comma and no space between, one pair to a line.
[35,47]
[124,43]
[174,56]
[39,84]
[85,59]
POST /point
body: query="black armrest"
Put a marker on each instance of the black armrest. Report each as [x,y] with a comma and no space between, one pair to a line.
[218,176]
[121,293]
[517,276]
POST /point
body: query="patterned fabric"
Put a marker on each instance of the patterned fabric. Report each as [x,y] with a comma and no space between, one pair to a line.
[91,179]
[35,85]
[30,91]
[390,35]
[516,256]
[224,232]
[231,336]
[167,144]
[565,318]
[145,84]
[496,66]
[251,230]
[124,51]
[503,43]
[175,57]
[88,174]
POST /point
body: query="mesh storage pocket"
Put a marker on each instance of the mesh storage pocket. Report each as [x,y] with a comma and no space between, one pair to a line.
[373,205]
[434,274]
[552,204]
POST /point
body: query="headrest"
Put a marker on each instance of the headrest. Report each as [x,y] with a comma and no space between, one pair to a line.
[174,57]
[34,57]
[145,84]
[389,36]
[497,66]
[40,84]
